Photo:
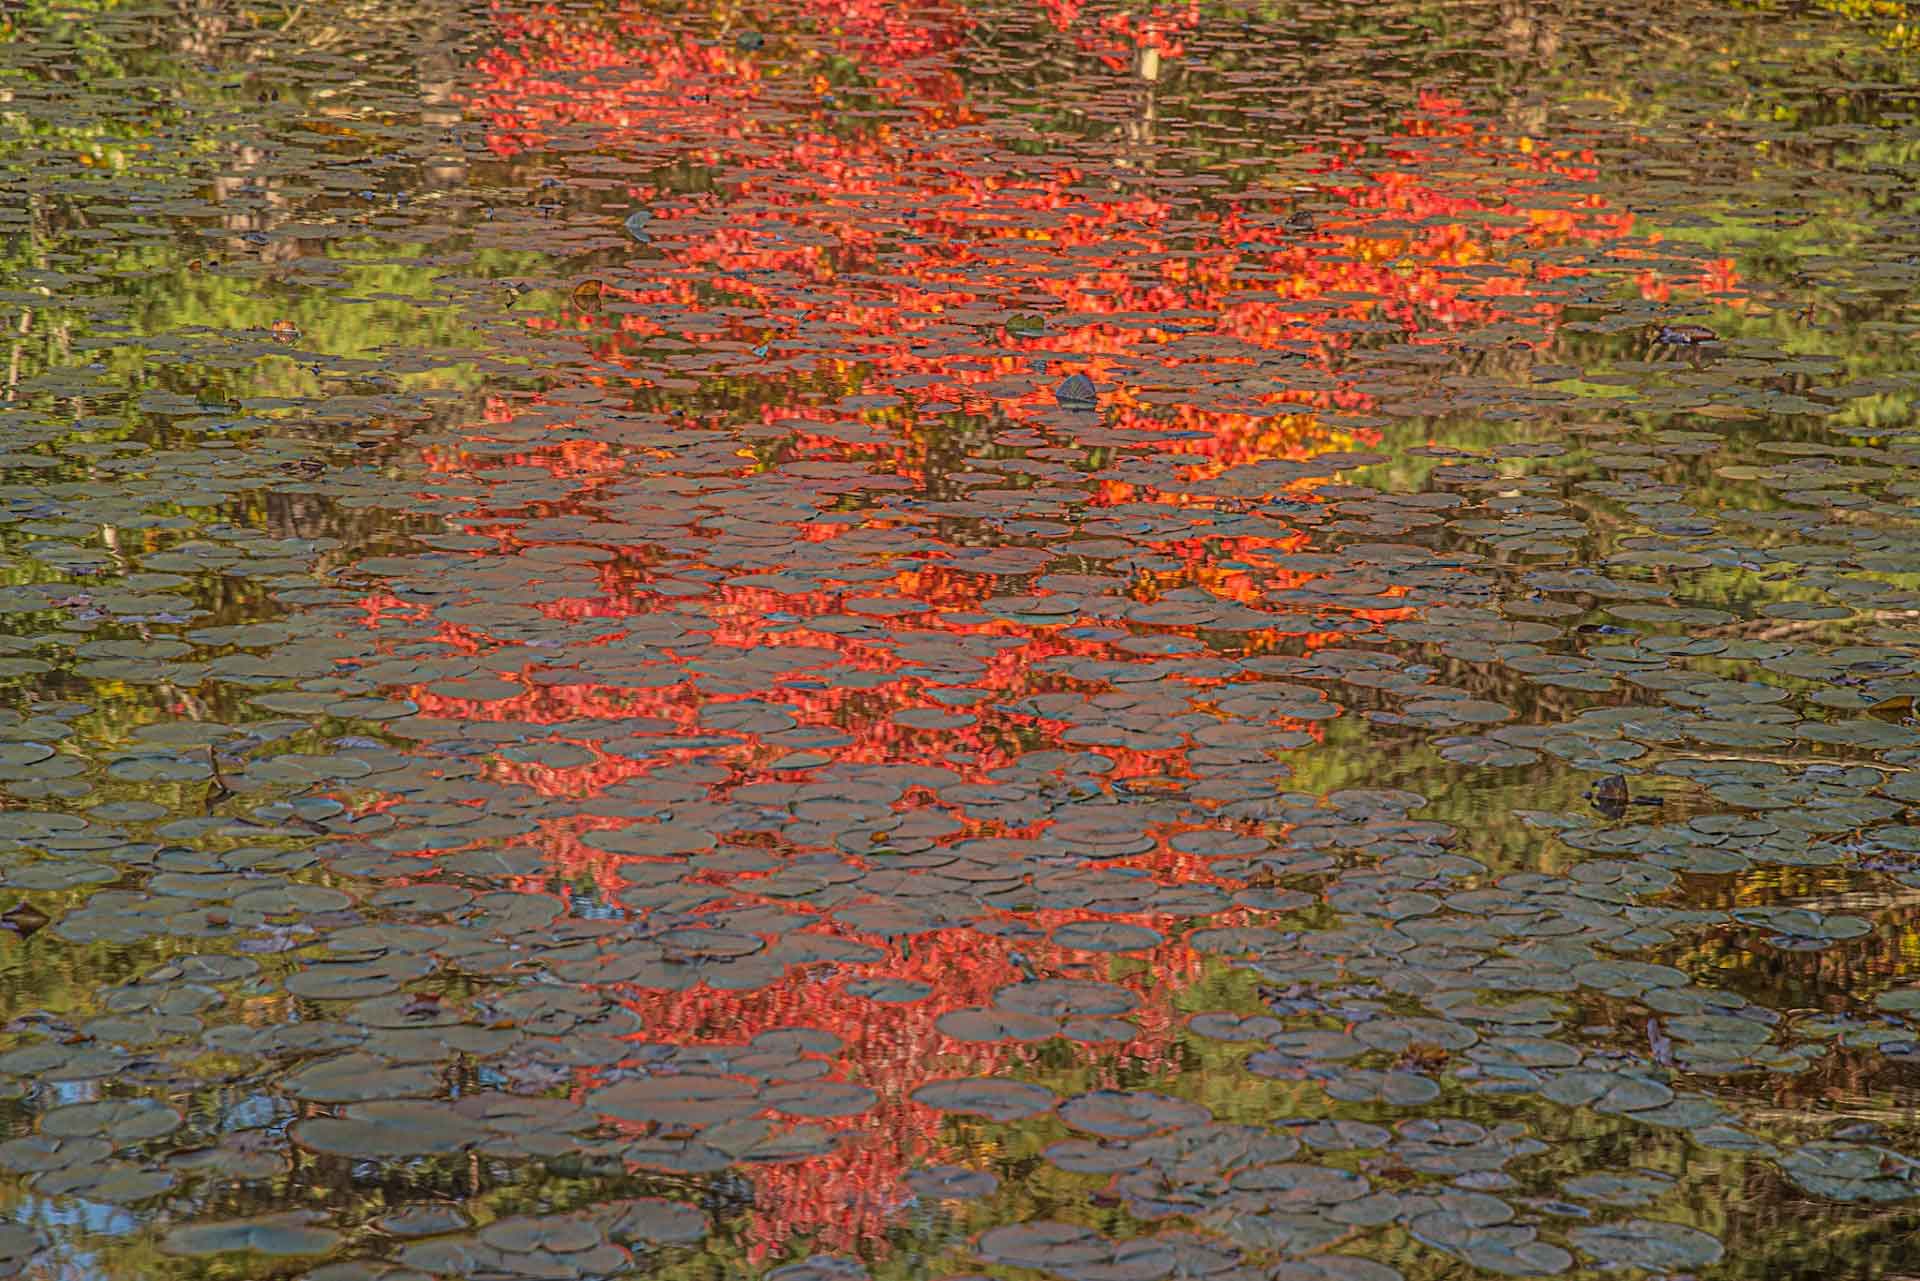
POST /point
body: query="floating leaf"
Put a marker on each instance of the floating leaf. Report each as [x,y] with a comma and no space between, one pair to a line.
[271,1234]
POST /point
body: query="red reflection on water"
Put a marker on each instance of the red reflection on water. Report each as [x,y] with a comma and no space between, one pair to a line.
[848,294]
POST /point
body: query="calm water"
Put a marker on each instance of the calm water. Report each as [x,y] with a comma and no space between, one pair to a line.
[844,639]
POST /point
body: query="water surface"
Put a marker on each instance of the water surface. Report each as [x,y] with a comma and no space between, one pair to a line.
[854,640]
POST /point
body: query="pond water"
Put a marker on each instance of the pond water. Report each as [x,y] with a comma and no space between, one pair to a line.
[829,639]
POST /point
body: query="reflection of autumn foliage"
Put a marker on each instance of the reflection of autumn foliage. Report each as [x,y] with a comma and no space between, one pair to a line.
[1114,36]
[888,237]
[845,1197]
[869,274]
[636,74]
[549,71]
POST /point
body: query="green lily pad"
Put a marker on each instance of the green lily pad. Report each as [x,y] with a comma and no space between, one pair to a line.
[290,1234]
[1648,1243]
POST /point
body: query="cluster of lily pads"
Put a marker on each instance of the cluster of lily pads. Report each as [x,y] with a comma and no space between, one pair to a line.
[602,777]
